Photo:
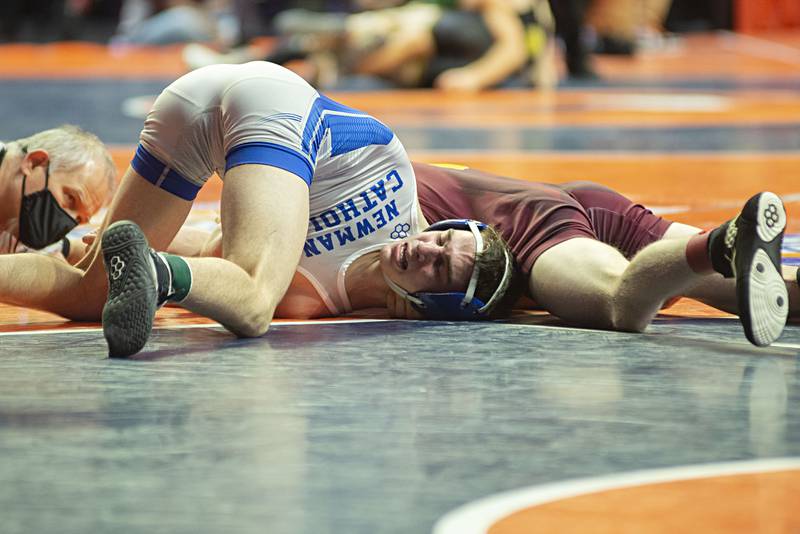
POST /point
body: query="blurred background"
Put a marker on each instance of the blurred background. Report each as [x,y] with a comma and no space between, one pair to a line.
[373,44]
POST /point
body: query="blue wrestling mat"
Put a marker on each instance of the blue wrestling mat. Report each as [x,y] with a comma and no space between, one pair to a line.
[367,427]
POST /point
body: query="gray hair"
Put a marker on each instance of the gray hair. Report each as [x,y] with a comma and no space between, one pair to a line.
[71,149]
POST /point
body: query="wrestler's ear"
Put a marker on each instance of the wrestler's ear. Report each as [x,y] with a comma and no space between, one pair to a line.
[35,158]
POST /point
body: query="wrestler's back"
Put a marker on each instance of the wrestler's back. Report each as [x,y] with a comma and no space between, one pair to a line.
[534,216]
[531,216]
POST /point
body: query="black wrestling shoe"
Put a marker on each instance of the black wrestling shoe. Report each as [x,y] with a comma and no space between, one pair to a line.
[132,289]
[749,248]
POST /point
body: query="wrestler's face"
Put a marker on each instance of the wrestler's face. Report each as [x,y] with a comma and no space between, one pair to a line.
[437,261]
[80,192]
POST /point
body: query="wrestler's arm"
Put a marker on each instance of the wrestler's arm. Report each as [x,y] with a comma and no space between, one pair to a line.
[190,242]
[195,242]
[505,56]
[400,57]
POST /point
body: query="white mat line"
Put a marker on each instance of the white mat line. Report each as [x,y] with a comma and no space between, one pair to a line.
[478,516]
[786,345]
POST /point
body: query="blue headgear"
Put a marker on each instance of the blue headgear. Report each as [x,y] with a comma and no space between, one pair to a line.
[458,306]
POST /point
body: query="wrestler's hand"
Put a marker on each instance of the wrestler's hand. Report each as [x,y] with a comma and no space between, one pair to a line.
[400,308]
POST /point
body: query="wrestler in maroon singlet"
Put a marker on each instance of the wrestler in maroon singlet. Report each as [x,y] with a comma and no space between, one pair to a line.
[534,216]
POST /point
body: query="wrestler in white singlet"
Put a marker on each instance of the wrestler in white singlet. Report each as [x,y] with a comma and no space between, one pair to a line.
[362,192]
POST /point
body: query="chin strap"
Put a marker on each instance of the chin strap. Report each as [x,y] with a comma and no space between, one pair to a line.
[473,281]
[11,249]
[402,292]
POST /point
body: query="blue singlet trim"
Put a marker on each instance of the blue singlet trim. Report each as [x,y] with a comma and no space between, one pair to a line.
[152,170]
[262,153]
[348,132]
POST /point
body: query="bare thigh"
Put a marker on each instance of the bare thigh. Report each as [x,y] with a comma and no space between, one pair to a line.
[264,224]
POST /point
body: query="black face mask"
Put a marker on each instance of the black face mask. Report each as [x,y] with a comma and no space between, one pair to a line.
[42,221]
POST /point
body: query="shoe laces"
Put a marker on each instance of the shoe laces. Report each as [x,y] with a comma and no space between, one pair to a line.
[730,234]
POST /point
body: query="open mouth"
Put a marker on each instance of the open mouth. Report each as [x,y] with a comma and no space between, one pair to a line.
[402,256]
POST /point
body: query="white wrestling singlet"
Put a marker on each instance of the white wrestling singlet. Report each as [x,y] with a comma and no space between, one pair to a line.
[362,192]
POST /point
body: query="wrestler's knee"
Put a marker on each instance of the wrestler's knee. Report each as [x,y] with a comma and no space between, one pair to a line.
[626,322]
[254,317]
[625,309]
[626,315]
[251,327]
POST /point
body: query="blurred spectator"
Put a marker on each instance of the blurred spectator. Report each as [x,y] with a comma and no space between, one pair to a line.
[461,45]
[90,20]
[255,17]
[31,20]
[570,18]
[619,24]
[163,22]
[41,21]
[606,27]
[691,15]
[466,45]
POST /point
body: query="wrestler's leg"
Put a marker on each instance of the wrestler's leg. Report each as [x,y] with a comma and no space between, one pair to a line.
[400,49]
[36,281]
[264,223]
[602,289]
[720,292]
[406,35]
